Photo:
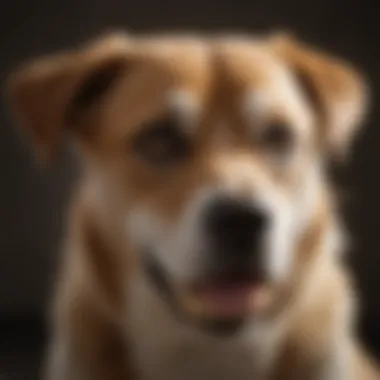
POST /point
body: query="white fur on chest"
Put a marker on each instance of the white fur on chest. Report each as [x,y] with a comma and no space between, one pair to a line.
[165,349]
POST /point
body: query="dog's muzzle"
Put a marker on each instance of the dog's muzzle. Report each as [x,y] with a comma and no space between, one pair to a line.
[232,286]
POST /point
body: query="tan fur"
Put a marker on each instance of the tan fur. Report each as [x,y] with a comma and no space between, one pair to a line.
[337,84]
[90,306]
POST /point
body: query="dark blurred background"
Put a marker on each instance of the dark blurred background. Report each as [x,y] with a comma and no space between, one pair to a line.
[33,203]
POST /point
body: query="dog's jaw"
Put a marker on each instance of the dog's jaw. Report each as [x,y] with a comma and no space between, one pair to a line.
[166,348]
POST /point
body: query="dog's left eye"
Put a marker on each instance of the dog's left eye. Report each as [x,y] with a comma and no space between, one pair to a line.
[162,143]
[277,137]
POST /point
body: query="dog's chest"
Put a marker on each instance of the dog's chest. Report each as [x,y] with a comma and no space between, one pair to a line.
[164,349]
[196,363]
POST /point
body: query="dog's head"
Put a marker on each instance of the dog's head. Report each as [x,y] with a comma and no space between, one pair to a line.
[214,148]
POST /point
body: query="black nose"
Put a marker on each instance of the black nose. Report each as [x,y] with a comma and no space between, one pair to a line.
[235,226]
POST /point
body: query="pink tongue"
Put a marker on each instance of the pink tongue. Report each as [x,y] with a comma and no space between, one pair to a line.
[227,300]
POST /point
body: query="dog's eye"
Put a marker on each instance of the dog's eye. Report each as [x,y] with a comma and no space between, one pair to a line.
[162,143]
[277,137]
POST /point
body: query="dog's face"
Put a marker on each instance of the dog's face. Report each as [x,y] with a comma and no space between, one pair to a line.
[214,150]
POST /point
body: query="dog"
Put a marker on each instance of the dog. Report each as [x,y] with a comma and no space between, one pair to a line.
[204,240]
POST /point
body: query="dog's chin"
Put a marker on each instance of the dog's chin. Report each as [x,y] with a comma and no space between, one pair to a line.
[222,328]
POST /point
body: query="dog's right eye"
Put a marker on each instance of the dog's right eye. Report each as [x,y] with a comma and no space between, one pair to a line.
[162,143]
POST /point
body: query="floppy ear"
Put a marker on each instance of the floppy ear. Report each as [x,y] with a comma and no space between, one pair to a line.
[47,95]
[337,92]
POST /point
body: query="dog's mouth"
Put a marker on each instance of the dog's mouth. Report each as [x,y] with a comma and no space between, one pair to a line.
[229,299]
[224,299]
[219,303]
